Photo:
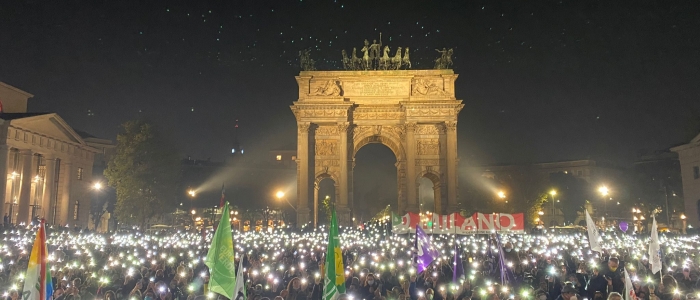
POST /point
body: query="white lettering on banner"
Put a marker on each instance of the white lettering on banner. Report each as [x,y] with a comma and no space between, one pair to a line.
[485,223]
[478,223]
[511,221]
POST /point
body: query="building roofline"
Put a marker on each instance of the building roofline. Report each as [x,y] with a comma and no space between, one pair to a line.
[16,89]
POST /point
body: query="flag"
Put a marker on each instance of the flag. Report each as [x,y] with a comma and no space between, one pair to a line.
[425,253]
[239,291]
[397,224]
[593,235]
[457,265]
[334,280]
[654,248]
[37,280]
[220,259]
[223,196]
[629,288]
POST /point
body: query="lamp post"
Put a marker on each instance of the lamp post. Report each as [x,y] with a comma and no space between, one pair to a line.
[280,195]
[684,223]
[603,190]
[97,187]
[554,211]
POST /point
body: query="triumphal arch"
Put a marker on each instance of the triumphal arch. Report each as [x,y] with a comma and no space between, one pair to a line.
[413,112]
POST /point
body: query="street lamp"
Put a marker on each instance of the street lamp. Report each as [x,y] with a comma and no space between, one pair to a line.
[684,223]
[554,211]
[280,196]
[603,190]
[192,193]
[97,186]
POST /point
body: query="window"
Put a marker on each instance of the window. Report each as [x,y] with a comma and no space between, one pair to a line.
[76,210]
[279,157]
[80,173]
[696,172]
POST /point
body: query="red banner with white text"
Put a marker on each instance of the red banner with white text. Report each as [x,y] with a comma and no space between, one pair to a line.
[457,224]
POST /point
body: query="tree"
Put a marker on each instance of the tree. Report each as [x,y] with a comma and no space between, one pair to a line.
[534,207]
[144,172]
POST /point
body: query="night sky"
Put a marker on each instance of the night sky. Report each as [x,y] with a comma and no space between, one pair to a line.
[541,80]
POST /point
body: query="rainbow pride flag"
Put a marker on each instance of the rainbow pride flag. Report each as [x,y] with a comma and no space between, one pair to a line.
[37,280]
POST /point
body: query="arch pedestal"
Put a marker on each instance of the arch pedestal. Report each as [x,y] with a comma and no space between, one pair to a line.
[414,113]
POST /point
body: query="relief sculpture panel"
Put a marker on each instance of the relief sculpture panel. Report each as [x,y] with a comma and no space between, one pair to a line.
[428,147]
[326,147]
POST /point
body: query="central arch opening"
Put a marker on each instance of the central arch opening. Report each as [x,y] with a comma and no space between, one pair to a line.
[374,181]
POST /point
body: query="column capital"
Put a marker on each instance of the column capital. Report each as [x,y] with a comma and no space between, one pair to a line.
[410,126]
[451,125]
[343,127]
[303,127]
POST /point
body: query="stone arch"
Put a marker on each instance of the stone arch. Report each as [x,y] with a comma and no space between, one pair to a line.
[437,187]
[394,144]
[412,112]
[320,176]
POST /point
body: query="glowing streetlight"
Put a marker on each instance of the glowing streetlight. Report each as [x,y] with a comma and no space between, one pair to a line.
[97,186]
[192,193]
[553,193]
[193,212]
[501,195]
[603,190]
[280,196]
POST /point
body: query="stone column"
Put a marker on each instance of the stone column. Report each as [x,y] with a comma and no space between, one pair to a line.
[46,205]
[451,180]
[25,197]
[4,157]
[303,159]
[64,206]
[411,184]
[342,188]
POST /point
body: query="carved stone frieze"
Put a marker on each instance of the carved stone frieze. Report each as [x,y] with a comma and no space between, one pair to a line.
[327,163]
[359,130]
[427,87]
[327,130]
[377,115]
[427,162]
[398,130]
[326,147]
[430,112]
[428,146]
[427,129]
[342,127]
[310,113]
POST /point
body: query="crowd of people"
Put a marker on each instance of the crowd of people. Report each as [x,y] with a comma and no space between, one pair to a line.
[288,265]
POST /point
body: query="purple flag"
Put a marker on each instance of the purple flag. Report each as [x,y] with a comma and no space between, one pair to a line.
[458,267]
[425,253]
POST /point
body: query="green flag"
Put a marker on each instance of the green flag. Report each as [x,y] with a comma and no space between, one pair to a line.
[395,219]
[220,259]
[334,273]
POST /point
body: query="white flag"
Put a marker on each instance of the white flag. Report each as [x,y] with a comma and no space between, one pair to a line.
[654,248]
[240,283]
[629,288]
[593,236]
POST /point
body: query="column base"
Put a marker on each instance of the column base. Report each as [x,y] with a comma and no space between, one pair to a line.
[343,214]
[303,216]
[412,208]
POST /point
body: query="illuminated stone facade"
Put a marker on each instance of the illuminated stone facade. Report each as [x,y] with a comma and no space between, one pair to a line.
[47,165]
[413,112]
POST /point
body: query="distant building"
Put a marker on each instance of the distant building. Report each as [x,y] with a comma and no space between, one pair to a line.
[586,169]
[284,156]
[689,155]
[47,165]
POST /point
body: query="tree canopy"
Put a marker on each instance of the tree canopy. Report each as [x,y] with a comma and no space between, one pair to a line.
[144,171]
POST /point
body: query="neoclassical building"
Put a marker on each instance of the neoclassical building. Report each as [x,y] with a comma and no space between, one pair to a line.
[47,165]
[689,155]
